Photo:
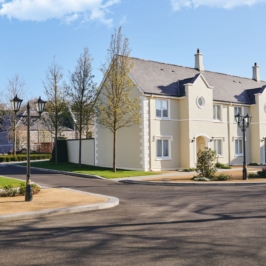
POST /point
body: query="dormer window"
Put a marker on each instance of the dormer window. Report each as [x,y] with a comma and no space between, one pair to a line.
[162,109]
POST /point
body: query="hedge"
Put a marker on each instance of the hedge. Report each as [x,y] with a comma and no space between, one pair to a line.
[23,157]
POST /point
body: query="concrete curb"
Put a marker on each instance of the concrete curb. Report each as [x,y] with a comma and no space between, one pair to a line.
[135,180]
[198,183]
[112,202]
[64,172]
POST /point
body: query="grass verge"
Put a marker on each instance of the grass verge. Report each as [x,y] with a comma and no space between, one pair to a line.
[9,181]
[88,169]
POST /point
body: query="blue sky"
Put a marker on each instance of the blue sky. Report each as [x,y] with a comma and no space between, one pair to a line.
[230,34]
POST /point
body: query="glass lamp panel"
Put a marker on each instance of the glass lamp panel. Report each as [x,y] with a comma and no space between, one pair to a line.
[247,119]
[238,118]
[16,103]
[40,105]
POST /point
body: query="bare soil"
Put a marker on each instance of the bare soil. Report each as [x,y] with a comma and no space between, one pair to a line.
[50,198]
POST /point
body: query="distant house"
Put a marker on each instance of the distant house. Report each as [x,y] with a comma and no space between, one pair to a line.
[41,138]
[183,110]
[6,133]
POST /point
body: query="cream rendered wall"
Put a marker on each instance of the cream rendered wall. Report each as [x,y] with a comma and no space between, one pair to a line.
[200,119]
[129,144]
[220,132]
[234,133]
[258,129]
[184,137]
[87,151]
[165,128]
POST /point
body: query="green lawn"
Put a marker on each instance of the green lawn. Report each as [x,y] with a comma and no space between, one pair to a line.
[88,169]
[9,181]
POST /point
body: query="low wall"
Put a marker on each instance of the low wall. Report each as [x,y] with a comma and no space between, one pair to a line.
[87,151]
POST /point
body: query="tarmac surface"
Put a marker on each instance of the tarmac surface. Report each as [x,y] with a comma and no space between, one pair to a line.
[53,201]
[152,225]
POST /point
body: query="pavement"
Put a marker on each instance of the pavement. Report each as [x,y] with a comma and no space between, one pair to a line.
[55,201]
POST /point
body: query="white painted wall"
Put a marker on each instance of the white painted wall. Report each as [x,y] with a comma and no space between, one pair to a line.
[87,151]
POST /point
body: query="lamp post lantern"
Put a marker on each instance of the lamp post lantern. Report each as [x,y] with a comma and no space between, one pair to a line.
[243,122]
[40,104]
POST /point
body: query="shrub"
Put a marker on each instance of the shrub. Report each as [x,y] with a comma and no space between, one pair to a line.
[222,166]
[255,164]
[35,189]
[262,173]
[9,191]
[191,169]
[222,177]
[200,178]
[253,175]
[205,163]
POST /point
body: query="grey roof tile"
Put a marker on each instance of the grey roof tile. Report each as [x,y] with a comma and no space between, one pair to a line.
[166,79]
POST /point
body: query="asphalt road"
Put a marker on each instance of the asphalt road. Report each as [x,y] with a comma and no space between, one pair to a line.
[153,225]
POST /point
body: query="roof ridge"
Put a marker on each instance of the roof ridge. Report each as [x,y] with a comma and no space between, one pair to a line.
[194,68]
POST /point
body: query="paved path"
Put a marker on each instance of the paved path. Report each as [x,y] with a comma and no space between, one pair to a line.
[153,225]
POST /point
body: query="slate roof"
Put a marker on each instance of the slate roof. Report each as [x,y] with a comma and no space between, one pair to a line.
[166,79]
[38,124]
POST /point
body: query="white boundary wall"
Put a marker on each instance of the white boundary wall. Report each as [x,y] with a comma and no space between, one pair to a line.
[87,151]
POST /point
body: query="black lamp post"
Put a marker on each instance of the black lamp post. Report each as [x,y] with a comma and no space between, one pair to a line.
[16,103]
[243,122]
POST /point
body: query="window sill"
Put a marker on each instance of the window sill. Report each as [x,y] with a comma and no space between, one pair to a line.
[217,121]
[162,118]
[163,159]
[239,155]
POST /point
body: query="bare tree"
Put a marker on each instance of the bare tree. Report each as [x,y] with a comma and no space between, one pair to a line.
[82,93]
[116,108]
[16,87]
[54,91]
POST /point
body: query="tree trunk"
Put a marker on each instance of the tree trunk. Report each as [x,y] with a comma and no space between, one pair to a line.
[114,152]
[80,148]
[55,146]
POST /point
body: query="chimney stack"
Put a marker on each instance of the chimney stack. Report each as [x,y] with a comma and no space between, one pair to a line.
[256,72]
[199,61]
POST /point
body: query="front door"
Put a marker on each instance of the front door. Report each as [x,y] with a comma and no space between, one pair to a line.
[200,144]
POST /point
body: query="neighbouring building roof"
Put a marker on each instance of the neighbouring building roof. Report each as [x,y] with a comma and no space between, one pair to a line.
[38,124]
[166,79]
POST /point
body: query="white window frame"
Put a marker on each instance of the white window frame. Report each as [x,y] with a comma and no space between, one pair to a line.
[237,153]
[203,101]
[215,107]
[162,138]
[215,147]
[168,109]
